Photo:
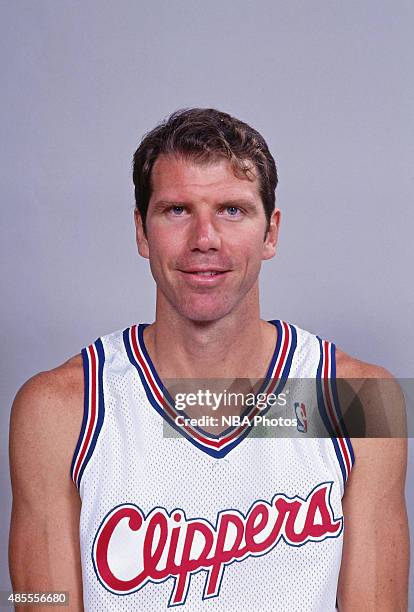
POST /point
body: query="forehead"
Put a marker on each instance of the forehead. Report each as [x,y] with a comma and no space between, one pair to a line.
[175,178]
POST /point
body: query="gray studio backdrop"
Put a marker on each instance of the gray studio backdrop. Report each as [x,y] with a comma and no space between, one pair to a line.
[330,86]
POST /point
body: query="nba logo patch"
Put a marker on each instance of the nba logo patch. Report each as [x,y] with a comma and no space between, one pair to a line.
[302,419]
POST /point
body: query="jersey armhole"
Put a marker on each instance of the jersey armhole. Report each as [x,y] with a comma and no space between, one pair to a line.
[330,409]
[93,359]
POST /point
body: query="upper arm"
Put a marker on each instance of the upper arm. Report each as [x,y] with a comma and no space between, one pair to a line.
[44,550]
[375,559]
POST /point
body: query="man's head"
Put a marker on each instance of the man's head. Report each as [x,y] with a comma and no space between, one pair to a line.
[205,214]
[205,135]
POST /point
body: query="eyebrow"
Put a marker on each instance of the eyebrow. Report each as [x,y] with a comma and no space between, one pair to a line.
[237,202]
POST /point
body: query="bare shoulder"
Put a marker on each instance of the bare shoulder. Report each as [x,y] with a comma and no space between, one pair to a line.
[63,378]
[46,418]
[44,531]
[352,368]
[369,393]
[52,395]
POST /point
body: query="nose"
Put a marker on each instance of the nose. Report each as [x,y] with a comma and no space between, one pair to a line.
[204,236]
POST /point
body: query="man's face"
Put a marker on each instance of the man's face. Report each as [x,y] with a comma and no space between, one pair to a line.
[205,236]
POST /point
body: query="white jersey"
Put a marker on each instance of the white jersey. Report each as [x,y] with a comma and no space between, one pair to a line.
[202,521]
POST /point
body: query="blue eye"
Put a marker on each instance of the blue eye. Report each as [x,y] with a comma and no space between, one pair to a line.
[233,210]
[176,210]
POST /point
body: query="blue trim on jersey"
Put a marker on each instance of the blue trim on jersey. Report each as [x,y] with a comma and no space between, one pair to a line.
[351,450]
[179,429]
[249,409]
[338,406]
[286,370]
[87,409]
[85,363]
[335,392]
[140,328]
[216,453]
[319,393]
[276,322]
[340,458]
[265,383]
[100,407]
[323,410]
[276,352]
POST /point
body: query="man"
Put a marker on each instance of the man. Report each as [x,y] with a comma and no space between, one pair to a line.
[125,518]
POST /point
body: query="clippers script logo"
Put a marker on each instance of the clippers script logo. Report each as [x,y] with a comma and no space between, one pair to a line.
[302,419]
[131,549]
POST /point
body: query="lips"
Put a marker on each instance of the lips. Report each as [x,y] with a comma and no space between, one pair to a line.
[204,272]
[204,277]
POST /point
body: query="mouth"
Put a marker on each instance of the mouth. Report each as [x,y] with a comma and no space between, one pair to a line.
[204,272]
[204,278]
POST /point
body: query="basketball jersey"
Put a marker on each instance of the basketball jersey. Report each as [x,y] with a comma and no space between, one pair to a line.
[208,522]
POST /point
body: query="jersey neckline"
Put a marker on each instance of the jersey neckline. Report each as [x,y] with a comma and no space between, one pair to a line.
[215,445]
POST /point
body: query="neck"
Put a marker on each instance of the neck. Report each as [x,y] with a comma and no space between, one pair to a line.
[238,345]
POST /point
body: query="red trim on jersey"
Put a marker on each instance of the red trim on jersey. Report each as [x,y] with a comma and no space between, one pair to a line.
[326,371]
[161,400]
[92,409]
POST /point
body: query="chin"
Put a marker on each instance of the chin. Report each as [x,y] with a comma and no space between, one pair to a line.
[201,311]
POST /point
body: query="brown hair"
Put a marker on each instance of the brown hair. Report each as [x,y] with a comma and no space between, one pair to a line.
[205,134]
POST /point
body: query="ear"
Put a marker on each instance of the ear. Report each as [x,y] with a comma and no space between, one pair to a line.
[142,242]
[272,235]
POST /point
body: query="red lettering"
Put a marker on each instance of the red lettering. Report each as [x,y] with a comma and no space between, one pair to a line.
[189,565]
[222,556]
[234,538]
[252,529]
[135,523]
